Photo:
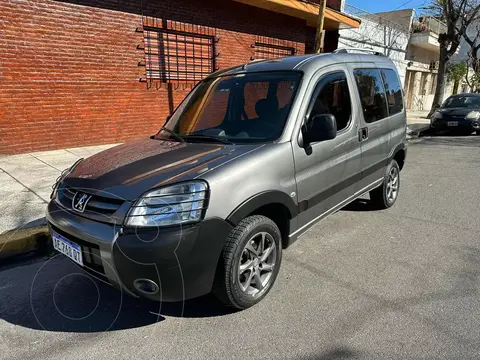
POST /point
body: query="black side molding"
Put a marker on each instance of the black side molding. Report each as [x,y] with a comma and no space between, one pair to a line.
[259,200]
[332,190]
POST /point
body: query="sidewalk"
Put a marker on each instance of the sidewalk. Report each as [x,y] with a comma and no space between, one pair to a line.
[26,183]
[417,121]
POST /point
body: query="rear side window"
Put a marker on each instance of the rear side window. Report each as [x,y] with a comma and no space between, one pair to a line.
[393,90]
[372,94]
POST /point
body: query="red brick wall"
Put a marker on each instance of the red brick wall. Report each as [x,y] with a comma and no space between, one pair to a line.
[69,73]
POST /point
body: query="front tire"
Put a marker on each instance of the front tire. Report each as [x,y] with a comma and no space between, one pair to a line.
[249,262]
[385,196]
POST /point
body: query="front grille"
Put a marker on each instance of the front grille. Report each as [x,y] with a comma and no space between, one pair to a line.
[97,204]
[92,260]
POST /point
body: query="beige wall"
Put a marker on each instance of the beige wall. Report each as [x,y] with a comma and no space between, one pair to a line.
[402,17]
[421,56]
[420,89]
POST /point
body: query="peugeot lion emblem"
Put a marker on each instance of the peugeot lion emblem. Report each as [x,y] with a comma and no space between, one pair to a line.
[79,201]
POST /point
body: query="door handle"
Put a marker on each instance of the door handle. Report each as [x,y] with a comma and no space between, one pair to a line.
[363,134]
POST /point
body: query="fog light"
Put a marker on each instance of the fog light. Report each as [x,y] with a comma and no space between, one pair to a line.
[146,286]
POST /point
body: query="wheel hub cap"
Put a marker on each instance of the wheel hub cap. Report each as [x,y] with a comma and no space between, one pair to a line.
[392,184]
[257,263]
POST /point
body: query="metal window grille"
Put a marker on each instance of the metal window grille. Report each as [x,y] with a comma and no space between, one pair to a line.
[177,56]
[272,51]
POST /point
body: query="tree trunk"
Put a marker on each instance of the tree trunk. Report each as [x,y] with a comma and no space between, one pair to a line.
[475,63]
[441,80]
[455,87]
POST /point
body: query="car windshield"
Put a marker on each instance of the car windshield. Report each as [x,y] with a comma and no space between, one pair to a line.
[462,101]
[250,107]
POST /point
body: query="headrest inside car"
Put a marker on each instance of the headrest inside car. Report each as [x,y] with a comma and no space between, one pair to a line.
[266,107]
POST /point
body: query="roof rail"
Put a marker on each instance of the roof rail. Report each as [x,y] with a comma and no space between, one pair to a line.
[348,50]
[252,62]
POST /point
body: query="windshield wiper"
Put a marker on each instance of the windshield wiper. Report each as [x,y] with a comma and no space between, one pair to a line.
[175,135]
[210,137]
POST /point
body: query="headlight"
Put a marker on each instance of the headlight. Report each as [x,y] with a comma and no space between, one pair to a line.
[473,115]
[62,176]
[437,115]
[172,205]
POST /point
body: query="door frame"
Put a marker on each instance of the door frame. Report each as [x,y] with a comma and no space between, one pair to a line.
[351,129]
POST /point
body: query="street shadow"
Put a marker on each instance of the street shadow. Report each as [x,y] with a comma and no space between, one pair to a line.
[446,133]
[55,295]
[462,283]
[362,204]
[452,138]
[340,353]
[468,274]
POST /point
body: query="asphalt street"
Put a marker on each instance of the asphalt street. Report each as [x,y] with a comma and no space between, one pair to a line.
[397,284]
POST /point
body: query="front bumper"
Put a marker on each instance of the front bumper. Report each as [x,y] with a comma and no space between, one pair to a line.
[181,260]
[461,124]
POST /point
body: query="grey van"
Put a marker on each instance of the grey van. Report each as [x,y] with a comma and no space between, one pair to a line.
[251,159]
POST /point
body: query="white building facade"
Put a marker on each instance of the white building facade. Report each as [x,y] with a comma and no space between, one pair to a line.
[413,46]
[378,33]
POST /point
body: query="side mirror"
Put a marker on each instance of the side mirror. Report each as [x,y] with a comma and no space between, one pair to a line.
[320,128]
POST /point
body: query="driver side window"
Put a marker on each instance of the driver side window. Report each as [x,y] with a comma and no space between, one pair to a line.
[333,98]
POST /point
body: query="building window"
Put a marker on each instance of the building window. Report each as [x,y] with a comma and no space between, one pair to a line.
[372,94]
[272,51]
[177,56]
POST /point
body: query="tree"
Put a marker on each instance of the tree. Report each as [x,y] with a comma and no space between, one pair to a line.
[456,72]
[472,38]
[458,15]
[473,80]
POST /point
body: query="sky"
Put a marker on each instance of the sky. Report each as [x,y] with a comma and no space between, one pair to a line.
[374,6]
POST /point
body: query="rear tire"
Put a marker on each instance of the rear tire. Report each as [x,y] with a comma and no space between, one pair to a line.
[477,132]
[385,196]
[247,269]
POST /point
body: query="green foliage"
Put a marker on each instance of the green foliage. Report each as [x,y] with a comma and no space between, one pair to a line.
[419,27]
[457,71]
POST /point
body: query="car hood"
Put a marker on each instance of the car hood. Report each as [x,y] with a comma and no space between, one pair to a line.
[461,111]
[129,170]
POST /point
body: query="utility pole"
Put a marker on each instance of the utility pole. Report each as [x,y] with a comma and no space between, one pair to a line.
[319,34]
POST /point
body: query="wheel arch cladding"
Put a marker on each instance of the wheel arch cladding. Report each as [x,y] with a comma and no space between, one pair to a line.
[276,205]
[399,154]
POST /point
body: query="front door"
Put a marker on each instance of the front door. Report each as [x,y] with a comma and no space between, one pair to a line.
[327,172]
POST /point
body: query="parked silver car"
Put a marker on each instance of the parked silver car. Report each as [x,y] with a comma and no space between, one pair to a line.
[251,159]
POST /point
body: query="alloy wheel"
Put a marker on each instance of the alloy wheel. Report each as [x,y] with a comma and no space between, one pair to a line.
[392,184]
[257,263]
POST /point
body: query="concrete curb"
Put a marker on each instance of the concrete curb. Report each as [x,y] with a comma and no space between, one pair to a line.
[33,236]
[415,131]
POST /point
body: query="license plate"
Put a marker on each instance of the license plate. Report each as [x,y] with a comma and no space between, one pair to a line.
[452,123]
[67,247]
